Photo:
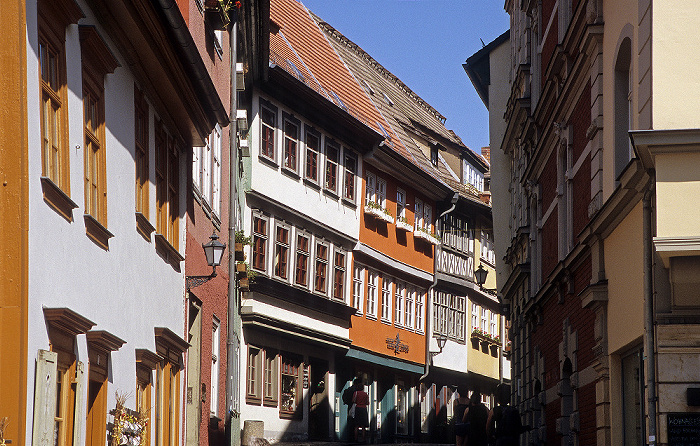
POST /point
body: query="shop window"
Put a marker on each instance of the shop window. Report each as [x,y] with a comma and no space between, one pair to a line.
[290,387]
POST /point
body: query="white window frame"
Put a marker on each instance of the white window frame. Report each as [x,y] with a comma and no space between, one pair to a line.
[400,204]
[494,324]
[206,169]
[215,365]
[358,288]
[288,245]
[475,316]
[370,188]
[326,261]
[299,233]
[381,192]
[484,320]
[420,306]
[399,300]
[264,105]
[310,131]
[409,306]
[386,299]
[418,211]
[328,163]
[336,267]
[428,218]
[350,174]
[216,170]
[265,237]
[372,278]
[287,138]
[197,168]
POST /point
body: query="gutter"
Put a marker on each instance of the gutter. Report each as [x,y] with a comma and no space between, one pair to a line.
[429,312]
[193,63]
[650,361]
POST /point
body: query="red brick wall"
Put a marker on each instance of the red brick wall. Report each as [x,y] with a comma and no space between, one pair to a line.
[550,250]
[580,121]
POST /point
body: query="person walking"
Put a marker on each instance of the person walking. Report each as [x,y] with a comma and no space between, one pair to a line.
[361,400]
[477,416]
[462,403]
[504,424]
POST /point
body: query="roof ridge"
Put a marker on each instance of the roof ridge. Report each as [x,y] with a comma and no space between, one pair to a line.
[379,67]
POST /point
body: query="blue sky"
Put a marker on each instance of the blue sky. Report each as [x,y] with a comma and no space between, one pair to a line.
[424,43]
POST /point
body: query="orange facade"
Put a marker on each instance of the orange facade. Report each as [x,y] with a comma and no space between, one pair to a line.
[378,324]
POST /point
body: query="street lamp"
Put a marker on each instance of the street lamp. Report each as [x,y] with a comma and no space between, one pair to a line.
[441,340]
[213,251]
[480,276]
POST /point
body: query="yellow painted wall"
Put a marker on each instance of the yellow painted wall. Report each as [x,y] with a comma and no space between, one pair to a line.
[677,183]
[15,219]
[624,269]
[675,58]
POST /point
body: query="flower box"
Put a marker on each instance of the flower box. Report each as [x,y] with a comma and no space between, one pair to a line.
[243,284]
[404,226]
[240,255]
[378,212]
[420,233]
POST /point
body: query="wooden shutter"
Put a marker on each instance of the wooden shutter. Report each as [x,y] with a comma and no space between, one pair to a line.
[79,391]
[44,398]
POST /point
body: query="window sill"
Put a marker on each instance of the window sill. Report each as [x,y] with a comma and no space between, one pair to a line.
[312,183]
[378,214]
[403,226]
[57,199]
[270,403]
[331,193]
[144,227]
[253,401]
[290,173]
[97,232]
[172,255]
[350,203]
[371,317]
[269,161]
[427,237]
[385,321]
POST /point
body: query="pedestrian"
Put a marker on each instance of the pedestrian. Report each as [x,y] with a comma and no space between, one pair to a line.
[461,405]
[504,424]
[348,400]
[361,401]
[477,416]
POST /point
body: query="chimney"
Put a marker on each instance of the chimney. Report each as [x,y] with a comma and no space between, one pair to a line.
[486,153]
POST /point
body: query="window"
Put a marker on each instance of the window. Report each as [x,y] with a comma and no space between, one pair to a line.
[268,120]
[487,252]
[142,152]
[302,261]
[215,364]
[350,171]
[321,267]
[332,154]
[95,167]
[381,193]
[408,310]
[400,205]
[419,308]
[281,251]
[386,299]
[53,18]
[215,142]
[260,223]
[290,386]
[449,315]
[270,379]
[428,218]
[372,294]
[291,143]
[167,186]
[146,362]
[494,325]
[339,275]
[358,288]
[100,344]
[370,189]
[206,170]
[475,316]
[399,297]
[313,147]
[418,210]
[484,320]
[254,376]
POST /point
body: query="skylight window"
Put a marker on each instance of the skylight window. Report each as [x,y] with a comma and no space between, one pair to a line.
[367,87]
[387,99]
[386,134]
[339,101]
[295,69]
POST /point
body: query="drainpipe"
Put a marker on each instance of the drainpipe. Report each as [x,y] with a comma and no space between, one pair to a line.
[231,337]
[429,303]
[649,313]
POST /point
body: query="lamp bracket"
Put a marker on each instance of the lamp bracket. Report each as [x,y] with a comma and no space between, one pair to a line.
[195,281]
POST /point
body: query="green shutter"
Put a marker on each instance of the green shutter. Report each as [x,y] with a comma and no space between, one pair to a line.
[44,399]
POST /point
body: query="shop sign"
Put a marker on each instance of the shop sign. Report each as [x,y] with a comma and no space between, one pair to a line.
[396,345]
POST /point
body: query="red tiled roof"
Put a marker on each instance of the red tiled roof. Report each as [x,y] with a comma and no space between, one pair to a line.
[301,42]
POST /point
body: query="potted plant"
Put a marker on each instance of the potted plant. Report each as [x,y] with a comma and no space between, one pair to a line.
[240,241]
